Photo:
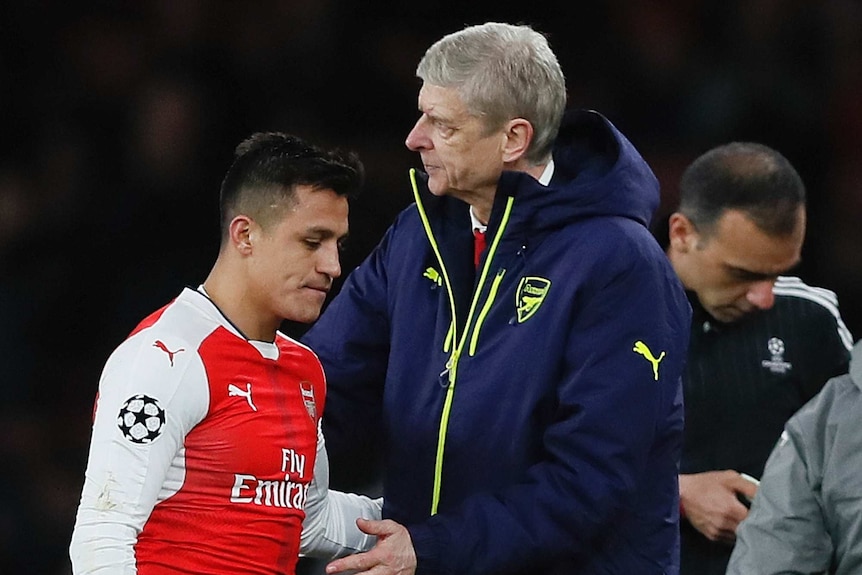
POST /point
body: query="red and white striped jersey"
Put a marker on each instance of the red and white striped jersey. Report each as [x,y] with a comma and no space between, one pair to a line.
[203,451]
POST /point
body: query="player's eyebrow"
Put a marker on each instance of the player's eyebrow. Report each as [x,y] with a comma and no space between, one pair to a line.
[325,233]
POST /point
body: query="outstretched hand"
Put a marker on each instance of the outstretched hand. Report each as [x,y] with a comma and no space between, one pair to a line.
[392,555]
[711,502]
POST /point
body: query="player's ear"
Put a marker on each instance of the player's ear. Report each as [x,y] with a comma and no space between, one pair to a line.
[681,233]
[242,234]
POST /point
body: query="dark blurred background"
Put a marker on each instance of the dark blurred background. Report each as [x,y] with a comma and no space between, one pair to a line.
[118,120]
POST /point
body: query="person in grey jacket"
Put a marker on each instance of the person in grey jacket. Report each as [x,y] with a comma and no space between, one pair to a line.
[805,517]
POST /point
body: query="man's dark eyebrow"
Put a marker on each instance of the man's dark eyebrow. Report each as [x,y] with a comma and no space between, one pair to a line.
[322,232]
[325,233]
[748,275]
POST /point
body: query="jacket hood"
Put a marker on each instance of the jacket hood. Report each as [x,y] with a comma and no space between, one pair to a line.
[597,172]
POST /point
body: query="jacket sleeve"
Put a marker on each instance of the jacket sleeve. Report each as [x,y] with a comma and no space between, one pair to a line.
[329,529]
[614,441]
[785,531]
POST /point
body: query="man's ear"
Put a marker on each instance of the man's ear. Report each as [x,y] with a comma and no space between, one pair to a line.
[243,232]
[682,234]
[518,135]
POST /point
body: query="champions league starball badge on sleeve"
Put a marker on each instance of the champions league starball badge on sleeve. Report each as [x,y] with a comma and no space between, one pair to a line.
[141,419]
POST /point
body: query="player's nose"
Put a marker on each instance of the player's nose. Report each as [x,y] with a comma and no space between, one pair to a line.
[329,261]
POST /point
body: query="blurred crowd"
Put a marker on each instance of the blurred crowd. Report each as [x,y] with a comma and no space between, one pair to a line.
[118,120]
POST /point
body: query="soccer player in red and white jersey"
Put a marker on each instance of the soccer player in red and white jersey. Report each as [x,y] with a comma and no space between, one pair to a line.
[206,454]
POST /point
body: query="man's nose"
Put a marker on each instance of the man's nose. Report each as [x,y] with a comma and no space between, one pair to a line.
[329,262]
[760,294]
[417,138]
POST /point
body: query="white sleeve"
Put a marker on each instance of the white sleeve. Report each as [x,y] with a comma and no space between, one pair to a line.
[145,408]
[329,530]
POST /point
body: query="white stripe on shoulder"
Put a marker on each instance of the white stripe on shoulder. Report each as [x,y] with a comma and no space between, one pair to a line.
[794,287]
[793,283]
[301,345]
[295,342]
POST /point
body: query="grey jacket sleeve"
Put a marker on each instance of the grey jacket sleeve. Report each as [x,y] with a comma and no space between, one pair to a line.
[807,515]
[785,532]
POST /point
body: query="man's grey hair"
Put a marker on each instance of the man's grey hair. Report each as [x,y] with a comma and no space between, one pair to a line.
[502,71]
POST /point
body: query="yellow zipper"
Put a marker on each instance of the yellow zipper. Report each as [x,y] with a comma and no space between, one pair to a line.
[488,302]
[452,335]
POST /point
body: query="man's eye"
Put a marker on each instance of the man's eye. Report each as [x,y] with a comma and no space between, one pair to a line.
[443,128]
[311,244]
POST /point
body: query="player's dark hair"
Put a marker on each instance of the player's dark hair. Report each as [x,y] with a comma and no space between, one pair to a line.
[268,165]
[745,176]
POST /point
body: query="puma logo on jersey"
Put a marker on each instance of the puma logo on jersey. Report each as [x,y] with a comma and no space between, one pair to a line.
[234,391]
[641,348]
[159,344]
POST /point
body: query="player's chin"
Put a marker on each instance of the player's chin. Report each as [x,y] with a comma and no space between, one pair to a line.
[308,311]
[305,317]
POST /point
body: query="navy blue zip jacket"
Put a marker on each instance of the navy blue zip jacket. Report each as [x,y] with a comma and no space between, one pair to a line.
[531,409]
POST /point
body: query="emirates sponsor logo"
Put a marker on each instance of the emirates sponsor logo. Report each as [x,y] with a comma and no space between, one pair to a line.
[269,493]
[290,492]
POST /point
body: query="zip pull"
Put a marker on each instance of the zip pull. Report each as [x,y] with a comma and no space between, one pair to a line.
[447,376]
[443,378]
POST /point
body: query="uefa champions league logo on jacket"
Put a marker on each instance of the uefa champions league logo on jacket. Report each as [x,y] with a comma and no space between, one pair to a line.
[776,363]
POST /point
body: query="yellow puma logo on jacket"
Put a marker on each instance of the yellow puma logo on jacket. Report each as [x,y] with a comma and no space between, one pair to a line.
[641,348]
